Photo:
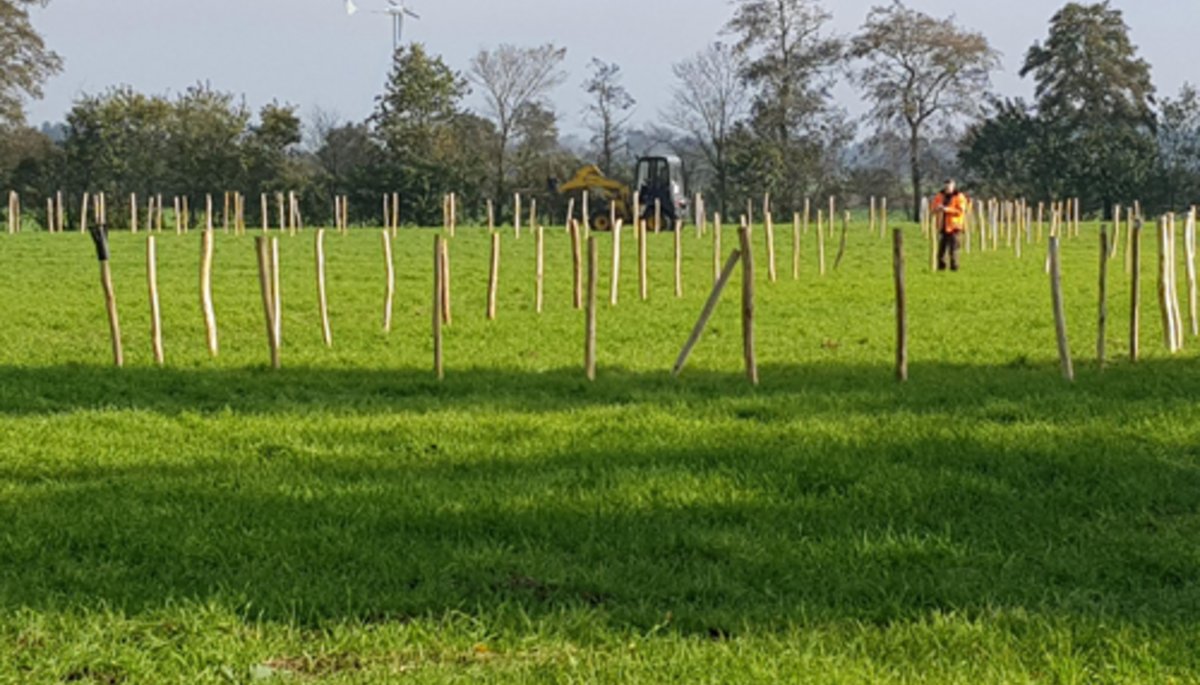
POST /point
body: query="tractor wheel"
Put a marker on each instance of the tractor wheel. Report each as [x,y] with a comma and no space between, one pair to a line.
[600,222]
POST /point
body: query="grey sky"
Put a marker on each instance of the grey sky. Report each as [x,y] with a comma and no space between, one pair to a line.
[309,53]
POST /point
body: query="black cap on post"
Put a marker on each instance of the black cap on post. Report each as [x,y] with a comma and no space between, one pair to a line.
[99,235]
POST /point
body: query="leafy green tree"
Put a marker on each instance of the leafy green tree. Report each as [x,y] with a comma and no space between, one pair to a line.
[420,125]
[789,67]
[1094,98]
[920,71]
[26,62]
[1179,148]
[207,131]
[269,149]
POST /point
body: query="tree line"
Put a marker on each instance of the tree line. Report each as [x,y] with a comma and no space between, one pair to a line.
[751,115]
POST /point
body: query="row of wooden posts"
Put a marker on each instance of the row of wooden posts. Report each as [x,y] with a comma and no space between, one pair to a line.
[584,293]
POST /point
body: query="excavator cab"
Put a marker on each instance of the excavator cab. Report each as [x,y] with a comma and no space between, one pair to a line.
[660,183]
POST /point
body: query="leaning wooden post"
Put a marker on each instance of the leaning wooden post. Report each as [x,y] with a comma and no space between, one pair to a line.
[577,265]
[322,297]
[615,279]
[156,339]
[493,277]
[710,306]
[748,306]
[100,238]
[389,284]
[901,306]
[1060,315]
[678,257]
[589,345]
[643,273]
[263,249]
[439,244]
[206,298]
[539,268]
[1102,317]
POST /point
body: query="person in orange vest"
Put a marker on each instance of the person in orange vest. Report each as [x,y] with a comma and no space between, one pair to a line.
[950,209]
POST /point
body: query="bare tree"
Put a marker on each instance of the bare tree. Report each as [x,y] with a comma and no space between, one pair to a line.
[607,112]
[709,98]
[512,77]
[919,71]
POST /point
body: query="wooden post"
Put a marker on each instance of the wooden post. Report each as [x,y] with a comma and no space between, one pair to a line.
[796,246]
[50,216]
[266,215]
[1164,293]
[589,345]
[539,268]
[832,213]
[577,266]
[716,255]
[517,216]
[493,277]
[643,275]
[225,212]
[571,213]
[454,213]
[439,244]
[276,294]
[1060,316]
[842,244]
[533,213]
[83,214]
[1116,236]
[769,231]
[586,210]
[491,216]
[1173,282]
[389,283]
[447,317]
[706,314]
[748,306]
[322,296]
[99,235]
[206,299]
[133,213]
[821,243]
[1189,241]
[1102,317]
[678,257]
[60,212]
[187,213]
[1135,288]
[615,279]
[883,218]
[265,282]
[901,306]
[395,214]
[208,212]
[156,339]
[158,212]
[871,217]
[658,215]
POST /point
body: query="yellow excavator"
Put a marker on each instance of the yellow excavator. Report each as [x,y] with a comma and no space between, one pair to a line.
[658,179]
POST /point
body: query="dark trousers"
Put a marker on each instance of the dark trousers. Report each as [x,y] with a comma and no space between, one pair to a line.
[948,247]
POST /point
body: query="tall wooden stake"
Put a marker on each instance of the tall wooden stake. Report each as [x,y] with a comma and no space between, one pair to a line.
[322,296]
[1060,315]
[439,244]
[389,273]
[1102,316]
[748,306]
[901,306]
[493,277]
[589,345]
[156,339]
[710,306]
[206,298]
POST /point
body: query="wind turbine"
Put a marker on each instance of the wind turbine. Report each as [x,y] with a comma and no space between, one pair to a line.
[397,11]
[350,7]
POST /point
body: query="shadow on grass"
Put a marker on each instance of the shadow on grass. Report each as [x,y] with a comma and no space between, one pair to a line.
[1037,389]
[758,530]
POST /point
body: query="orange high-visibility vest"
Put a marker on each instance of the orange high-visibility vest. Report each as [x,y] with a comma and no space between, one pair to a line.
[956,206]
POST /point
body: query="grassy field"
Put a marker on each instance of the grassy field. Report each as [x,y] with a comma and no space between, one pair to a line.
[350,520]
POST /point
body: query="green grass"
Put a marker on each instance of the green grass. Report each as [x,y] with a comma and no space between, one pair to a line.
[351,520]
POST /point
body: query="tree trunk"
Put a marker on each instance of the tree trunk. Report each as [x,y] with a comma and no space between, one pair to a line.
[914,159]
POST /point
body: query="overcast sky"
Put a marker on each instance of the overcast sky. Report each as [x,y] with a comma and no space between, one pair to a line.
[309,53]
